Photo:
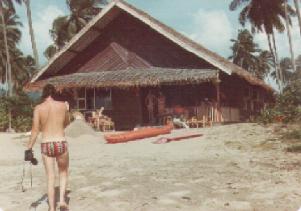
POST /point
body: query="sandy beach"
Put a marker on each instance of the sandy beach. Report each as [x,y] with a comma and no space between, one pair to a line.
[232,167]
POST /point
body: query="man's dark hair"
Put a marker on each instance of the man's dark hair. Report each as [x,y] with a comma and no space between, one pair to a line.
[48,90]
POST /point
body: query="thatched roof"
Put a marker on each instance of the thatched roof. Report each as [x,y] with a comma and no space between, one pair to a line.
[129,78]
[93,29]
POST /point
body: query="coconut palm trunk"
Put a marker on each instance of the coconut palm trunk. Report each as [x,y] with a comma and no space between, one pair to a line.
[8,64]
[298,13]
[273,55]
[31,32]
[277,63]
[289,35]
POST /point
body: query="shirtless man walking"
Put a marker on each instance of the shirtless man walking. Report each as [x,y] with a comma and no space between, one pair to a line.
[50,118]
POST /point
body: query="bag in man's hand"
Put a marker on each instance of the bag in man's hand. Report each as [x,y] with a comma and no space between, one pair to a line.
[30,157]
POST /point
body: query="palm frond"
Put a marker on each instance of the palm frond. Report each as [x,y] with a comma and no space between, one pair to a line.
[236,3]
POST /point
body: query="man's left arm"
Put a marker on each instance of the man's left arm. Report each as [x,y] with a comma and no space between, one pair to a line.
[35,129]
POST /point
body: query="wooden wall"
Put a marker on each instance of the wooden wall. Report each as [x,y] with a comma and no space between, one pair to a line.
[126,111]
[235,92]
[126,42]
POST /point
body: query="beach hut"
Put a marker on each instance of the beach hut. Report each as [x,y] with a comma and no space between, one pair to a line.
[141,71]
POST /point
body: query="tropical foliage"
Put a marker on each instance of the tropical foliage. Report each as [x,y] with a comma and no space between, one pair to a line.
[287,107]
[65,27]
[268,16]
[289,75]
[23,67]
[10,4]
[265,16]
[31,32]
[21,108]
[247,54]
[13,37]
[50,51]
[296,2]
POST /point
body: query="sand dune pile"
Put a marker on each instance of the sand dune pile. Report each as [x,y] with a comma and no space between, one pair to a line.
[78,128]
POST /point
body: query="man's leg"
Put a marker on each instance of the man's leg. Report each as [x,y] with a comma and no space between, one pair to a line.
[63,165]
[50,171]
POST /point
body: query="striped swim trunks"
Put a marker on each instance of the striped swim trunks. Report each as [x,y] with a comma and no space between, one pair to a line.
[54,149]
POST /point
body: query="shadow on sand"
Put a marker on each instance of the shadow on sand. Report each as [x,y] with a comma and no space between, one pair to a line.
[34,205]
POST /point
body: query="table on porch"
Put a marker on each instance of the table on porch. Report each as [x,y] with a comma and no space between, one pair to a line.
[99,121]
[193,116]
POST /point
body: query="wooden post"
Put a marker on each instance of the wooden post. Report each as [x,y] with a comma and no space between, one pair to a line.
[218,114]
[94,98]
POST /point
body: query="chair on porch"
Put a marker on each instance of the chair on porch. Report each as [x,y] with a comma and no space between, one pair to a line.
[100,121]
[106,124]
[204,116]
[194,122]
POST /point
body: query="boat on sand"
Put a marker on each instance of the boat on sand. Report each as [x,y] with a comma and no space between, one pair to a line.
[141,133]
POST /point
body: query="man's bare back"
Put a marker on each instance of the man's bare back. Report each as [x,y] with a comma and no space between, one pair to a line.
[53,119]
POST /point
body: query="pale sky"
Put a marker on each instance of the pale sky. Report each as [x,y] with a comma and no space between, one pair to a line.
[208,22]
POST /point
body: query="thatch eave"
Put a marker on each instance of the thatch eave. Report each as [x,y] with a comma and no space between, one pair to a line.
[129,78]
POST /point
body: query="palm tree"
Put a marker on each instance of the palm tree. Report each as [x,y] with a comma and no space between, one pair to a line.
[264,16]
[24,67]
[7,5]
[10,5]
[298,63]
[243,50]
[61,33]
[289,34]
[264,64]
[298,13]
[13,36]
[50,51]
[31,32]
[247,55]
[81,12]
[286,67]
[7,62]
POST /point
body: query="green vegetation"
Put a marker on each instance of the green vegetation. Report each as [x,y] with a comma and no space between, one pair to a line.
[65,27]
[287,108]
[247,54]
[267,17]
[23,67]
[293,136]
[21,108]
